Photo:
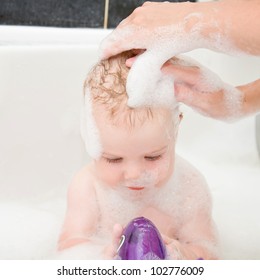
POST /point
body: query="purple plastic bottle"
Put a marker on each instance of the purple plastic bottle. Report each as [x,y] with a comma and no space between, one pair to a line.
[141,240]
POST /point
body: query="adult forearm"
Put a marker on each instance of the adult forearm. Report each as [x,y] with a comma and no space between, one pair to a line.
[231,26]
[228,26]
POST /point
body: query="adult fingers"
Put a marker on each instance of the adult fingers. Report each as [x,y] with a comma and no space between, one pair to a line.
[121,40]
[130,61]
[185,74]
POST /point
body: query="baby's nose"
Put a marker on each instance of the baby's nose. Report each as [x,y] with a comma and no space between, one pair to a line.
[133,171]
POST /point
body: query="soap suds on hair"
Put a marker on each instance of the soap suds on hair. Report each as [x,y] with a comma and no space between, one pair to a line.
[89,130]
[147,86]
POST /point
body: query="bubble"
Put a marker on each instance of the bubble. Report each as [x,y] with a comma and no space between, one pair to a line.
[92,250]
[234,100]
[147,86]
[88,127]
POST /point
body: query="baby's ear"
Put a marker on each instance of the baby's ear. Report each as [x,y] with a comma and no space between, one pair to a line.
[181,116]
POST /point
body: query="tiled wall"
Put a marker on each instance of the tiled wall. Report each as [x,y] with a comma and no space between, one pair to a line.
[66,13]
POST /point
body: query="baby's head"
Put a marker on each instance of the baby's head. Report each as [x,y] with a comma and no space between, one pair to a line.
[136,145]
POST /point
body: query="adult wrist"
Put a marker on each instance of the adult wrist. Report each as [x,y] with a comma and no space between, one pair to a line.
[251,102]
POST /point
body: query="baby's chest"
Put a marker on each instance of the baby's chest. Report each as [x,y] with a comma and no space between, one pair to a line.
[167,224]
[163,210]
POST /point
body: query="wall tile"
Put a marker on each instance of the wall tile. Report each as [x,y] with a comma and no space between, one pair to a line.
[118,10]
[65,13]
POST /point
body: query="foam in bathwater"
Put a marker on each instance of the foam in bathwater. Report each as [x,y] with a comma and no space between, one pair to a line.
[86,251]
[88,127]
[28,231]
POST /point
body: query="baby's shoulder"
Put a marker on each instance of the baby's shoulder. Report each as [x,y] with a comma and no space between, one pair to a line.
[84,172]
[192,184]
[84,178]
[189,175]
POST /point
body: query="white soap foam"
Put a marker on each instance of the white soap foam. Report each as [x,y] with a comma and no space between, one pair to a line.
[92,250]
[147,86]
[233,99]
[28,231]
[89,130]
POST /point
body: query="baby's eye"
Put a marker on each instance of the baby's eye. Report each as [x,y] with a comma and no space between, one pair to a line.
[153,158]
[113,160]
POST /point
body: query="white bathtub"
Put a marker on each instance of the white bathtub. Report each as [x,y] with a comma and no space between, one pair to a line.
[41,75]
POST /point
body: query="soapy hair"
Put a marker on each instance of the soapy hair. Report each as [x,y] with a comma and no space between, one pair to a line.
[106,83]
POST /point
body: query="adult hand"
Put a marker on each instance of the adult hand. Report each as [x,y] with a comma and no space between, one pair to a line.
[193,86]
[154,23]
[201,89]
[227,26]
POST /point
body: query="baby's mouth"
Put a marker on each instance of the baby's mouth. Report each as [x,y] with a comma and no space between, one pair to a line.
[136,188]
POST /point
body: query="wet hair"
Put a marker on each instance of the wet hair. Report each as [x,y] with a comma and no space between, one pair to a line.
[106,83]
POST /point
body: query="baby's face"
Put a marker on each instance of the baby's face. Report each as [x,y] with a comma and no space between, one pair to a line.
[135,158]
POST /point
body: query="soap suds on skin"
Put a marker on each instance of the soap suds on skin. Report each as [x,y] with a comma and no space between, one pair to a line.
[171,40]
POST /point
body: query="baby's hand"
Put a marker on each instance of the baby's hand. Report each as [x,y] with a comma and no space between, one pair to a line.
[110,251]
[177,251]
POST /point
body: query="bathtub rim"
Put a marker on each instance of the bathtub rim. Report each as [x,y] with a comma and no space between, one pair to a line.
[11,35]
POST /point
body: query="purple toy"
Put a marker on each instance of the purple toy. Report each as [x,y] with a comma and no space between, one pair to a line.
[141,240]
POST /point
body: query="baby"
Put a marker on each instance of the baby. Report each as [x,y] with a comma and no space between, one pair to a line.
[136,173]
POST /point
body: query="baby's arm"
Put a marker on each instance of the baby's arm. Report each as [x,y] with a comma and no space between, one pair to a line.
[196,239]
[82,211]
[197,235]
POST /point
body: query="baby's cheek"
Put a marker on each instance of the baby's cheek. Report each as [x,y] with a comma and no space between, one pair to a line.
[110,175]
[165,169]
